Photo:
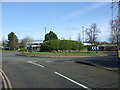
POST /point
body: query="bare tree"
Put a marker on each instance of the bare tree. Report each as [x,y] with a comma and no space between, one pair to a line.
[92,33]
[25,41]
[79,37]
[115,33]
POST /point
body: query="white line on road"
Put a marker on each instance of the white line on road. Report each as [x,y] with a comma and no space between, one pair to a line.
[72,81]
[35,64]
[62,76]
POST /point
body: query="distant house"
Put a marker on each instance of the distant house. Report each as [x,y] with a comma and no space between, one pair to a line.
[35,44]
[85,44]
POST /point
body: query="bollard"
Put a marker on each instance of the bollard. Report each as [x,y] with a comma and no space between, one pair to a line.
[118,54]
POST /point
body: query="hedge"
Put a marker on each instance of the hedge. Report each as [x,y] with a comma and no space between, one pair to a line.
[55,45]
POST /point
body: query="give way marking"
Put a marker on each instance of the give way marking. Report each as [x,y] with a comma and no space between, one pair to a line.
[85,87]
[73,81]
[35,64]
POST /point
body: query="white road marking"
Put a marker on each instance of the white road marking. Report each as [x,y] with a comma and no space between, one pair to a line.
[73,81]
[36,64]
[62,76]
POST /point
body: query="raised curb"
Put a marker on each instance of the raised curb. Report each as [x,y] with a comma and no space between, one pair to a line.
[66,56]
[100,66]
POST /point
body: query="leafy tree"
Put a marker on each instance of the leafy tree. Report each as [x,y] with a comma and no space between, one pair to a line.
[51,36]
[12,41]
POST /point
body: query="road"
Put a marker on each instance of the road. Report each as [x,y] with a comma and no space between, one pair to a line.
[110,61]
[38,72]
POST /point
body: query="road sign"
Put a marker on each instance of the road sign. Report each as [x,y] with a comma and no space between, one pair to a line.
[94,48]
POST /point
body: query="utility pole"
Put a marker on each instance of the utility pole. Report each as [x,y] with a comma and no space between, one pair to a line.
[119,14]
[79,37]
[83,33]
[45,30]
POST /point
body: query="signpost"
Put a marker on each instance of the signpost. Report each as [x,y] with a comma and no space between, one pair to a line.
[95,48]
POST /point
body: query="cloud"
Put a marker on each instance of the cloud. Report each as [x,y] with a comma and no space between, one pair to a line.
[82,11]
[56,0]
[72,28]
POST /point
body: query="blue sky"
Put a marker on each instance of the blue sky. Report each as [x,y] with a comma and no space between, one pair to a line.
[64,18]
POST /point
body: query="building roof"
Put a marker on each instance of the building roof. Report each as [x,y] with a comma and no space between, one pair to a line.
[36,41]
[87,44]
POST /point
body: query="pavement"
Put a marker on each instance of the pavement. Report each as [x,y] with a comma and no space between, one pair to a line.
[42,72]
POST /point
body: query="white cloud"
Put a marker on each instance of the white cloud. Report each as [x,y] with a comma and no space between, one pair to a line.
[56,0]
[82,11]
[72,29]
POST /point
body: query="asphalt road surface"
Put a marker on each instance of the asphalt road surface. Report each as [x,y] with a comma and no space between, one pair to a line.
[38,72]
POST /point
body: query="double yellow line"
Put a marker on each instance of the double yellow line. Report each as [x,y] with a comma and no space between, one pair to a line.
[5,80]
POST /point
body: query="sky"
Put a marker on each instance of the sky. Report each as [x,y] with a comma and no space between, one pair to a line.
[66,19]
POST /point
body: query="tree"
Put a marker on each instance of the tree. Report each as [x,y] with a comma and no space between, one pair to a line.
[51,36]
[25,42]
[92,33]
[115,33]
[5,43]
[12,41]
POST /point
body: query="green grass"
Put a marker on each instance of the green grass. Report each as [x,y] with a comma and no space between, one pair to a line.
[62,53]
[7,51]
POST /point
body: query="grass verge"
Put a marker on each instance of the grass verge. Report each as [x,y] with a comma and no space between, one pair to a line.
[7,51]
[62,53]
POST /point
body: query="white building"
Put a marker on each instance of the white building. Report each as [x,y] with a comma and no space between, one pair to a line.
[36,43]
[85,44]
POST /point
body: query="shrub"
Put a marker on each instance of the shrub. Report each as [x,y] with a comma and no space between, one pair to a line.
[55,45]
[22,50]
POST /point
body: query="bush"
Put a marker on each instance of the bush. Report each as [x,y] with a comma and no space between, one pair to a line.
[56,45]
[22,50]
[65,45]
